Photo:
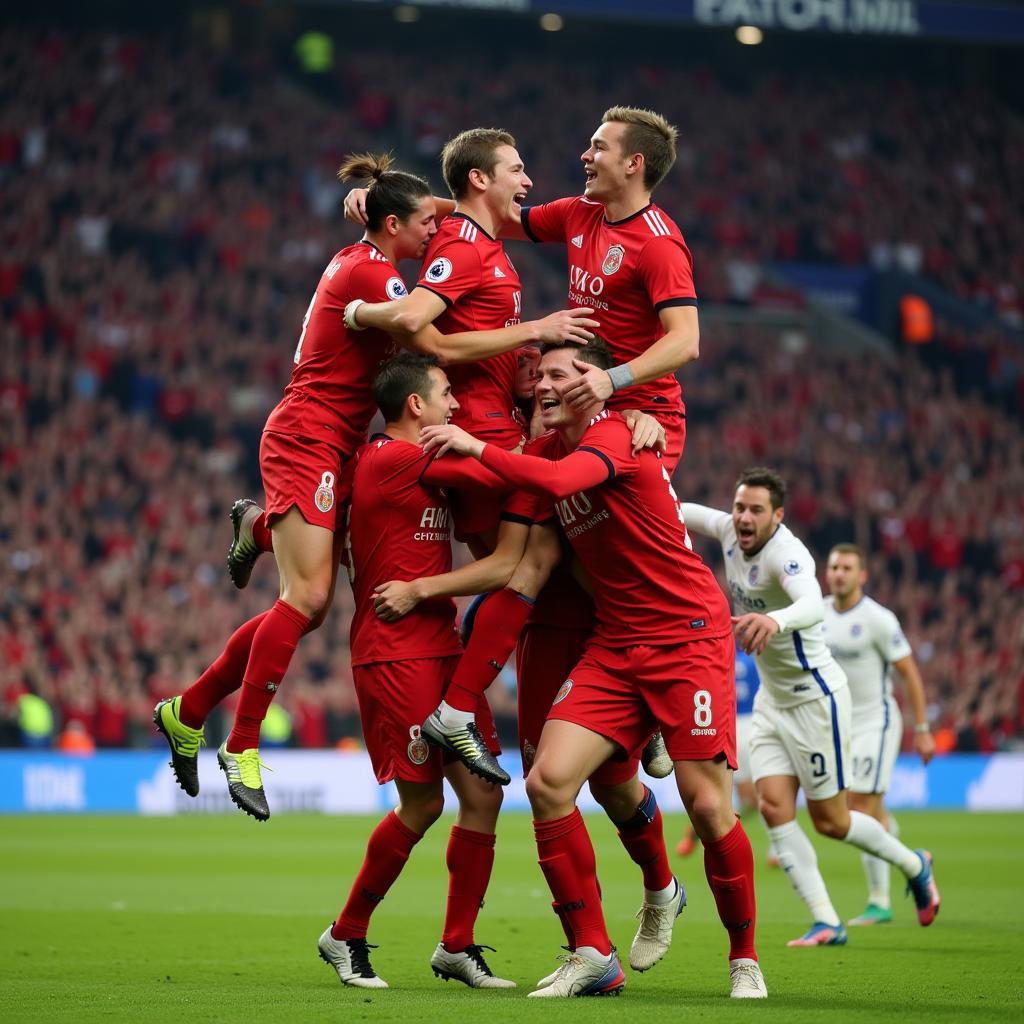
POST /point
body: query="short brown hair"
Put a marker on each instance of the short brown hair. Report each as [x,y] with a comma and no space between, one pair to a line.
[475,149]
[651,135]
[596,352]
[403,375]
[846,548]
[762,476]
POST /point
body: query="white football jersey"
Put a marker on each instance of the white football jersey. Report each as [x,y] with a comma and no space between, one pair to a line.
[865,640]
[796,666]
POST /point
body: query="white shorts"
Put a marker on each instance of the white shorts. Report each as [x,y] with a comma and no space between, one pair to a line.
[810,741]
[744,726]
[875,743]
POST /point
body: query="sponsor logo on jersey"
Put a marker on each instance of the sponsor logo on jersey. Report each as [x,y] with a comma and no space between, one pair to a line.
[563,692]
[752,575]
[438,271]
[612,259]
[711,731]
[497,272]
[791,568]
[578,241]
[697,623]
[418,750]
[395,288]
[324,497]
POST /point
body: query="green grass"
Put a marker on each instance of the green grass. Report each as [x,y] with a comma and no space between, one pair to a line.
[217,918]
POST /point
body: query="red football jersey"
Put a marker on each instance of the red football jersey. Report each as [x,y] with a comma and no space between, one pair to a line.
[330,396]
[627,271]
[562,601]
[470,271]
[398,529]
[622,518]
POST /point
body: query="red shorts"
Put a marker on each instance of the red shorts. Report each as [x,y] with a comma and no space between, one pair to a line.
[626,693]
[674,423]
[544,658]
[475,512]
[394,699]
[309,474]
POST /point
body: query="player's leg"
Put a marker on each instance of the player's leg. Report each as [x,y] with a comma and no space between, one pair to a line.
[876,871]
[469,858]
[497,625]
[567,755]
[832,816]
[343,945]
[634,812]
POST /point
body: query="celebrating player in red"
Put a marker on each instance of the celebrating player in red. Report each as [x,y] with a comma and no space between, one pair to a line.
[308,440]
[399,522]
[661,656]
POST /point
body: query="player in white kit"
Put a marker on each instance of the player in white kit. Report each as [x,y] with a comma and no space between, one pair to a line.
[867,641]
[801,732]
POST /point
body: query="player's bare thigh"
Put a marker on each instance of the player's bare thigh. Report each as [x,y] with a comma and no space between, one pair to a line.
[567,755]
[706,791]
[305,561]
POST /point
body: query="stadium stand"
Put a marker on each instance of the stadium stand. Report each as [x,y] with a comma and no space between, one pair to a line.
[166,209]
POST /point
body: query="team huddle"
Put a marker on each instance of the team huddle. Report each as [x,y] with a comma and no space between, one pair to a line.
[549,447]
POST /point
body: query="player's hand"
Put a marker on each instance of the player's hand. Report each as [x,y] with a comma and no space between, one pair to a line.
[355,206]
[753,631]
[924,744]
[450,438]
[395,598]
[647,431]
[593,386]
[567,325]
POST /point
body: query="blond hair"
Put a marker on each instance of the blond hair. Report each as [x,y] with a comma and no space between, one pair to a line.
[472,150]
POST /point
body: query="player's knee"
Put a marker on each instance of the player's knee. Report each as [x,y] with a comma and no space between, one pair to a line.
[618,802]
[421,811]
[548,796]
[311,597]
[833,824]
[709,812]
[773,811]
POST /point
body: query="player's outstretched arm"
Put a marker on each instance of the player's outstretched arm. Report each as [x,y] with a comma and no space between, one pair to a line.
[679,345]
[924,742]
[396,598]
[708,522]
[576,472]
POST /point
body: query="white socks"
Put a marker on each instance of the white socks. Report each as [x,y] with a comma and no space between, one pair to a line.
[452,718]
[800,862]
[870,836]
[877,872]
[659,897]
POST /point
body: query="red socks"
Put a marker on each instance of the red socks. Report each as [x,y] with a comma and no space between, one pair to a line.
[567,859]
[643,836]
[273,645]
[729,866]
[261,534]
[386,853]
[470,858]
[224,676]
[496,628]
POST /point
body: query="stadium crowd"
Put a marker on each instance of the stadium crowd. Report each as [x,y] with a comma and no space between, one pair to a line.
[166,211]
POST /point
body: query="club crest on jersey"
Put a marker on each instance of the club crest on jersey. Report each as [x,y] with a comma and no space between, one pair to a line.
[791,568]
[563,691]
[417,750]
[612,259]
[438,271]
[324,497]
[395,288]
[529,753]
[752,575]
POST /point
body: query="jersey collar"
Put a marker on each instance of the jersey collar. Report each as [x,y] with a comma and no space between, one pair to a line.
[466,216]
[860,601]
[626,220]
[366,241]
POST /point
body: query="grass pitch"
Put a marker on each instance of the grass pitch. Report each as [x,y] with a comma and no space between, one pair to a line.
[217,918]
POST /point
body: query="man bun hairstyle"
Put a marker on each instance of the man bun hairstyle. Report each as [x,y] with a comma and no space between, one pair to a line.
[596,352]
[647,133]
[406,374]
[762,476]
[475,149]
[387,192]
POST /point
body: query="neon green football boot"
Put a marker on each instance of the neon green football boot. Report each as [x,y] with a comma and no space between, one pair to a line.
[184,742]
[245,785]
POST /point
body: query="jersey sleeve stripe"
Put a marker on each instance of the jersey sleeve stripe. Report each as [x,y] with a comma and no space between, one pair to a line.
[656,214]
[601,455]
[525,220]
[656,227]
[665,303]
[443,298]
